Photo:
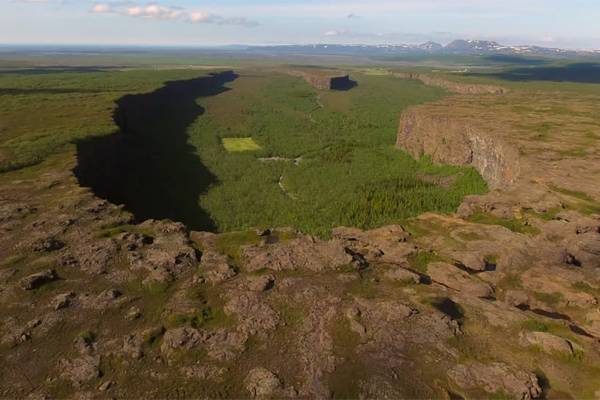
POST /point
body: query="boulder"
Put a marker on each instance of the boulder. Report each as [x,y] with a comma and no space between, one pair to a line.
[470,260]
[457,279]
[183,338]
[80,370]
[34,281]
[215,267]
[63,300]
[261,382]
[402,275]
[547,342]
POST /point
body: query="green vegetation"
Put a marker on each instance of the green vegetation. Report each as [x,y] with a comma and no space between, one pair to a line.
[332,156]
[232,242]
[422,259]
[535,326]
[348,173]
[551,299]
[581,202]
[240,144]
[41,114]
[515,225]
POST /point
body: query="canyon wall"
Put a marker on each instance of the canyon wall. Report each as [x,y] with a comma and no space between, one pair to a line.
[325,80]
[456,141]
[451,86]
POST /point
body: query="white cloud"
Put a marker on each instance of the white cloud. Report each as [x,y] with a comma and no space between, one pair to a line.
[101,8]
[155,11]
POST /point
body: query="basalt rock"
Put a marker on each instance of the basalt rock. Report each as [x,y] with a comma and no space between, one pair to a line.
[449,139]
[452,86]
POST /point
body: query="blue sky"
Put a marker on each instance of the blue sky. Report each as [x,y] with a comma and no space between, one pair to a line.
[552,23]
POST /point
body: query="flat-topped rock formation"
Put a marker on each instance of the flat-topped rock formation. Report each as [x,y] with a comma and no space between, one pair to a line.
[323,79]
[513,140]
[452,86]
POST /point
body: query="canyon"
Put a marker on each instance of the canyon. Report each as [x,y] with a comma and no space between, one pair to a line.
[497,299]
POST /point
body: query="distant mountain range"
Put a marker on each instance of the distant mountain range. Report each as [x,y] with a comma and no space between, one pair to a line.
[457,47]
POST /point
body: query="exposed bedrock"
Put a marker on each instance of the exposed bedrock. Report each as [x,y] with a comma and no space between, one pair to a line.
[451,86]
[454,141]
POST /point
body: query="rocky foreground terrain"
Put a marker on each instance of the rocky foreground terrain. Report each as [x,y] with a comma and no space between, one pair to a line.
[497,301]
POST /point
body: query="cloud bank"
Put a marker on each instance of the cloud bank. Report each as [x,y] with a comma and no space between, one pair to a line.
[155,11]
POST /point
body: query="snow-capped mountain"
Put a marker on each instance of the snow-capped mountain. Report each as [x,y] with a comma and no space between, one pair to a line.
[456,47]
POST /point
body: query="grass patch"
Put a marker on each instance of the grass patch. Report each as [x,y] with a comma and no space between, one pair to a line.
[551,299]
[534,325]
[13,260]
[240,144]
[511,281]
[232,242]
[515,225]
[548,215]
[583,203]
[345,382]
[586,288]
[422,259]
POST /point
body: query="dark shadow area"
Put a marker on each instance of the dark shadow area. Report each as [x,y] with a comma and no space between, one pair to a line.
[512,59]
[579,331]
[342,83]
[450,308]
[544,313]
[579,73]
[148,165]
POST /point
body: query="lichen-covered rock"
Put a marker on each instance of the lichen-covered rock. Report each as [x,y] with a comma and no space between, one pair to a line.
[547,342]
[261,382]
[305,253]
[34,281]
[497,378]
[80,370]
[457,279]
[215,267]
[181,339]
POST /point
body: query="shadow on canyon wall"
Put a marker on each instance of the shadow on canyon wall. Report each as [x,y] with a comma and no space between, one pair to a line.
[578,73]
[343,83]
[148,164]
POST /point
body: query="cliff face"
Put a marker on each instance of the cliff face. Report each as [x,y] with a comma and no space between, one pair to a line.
[458,142]
[325,80]
[451,86]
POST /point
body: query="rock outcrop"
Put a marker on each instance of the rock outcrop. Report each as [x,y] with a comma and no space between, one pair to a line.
[449,139]
[323,79]
[452,86]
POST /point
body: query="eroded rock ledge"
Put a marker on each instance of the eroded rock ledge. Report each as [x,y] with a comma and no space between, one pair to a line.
[451,86]
[450,140]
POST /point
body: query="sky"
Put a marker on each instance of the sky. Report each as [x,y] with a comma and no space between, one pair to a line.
[550,23]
